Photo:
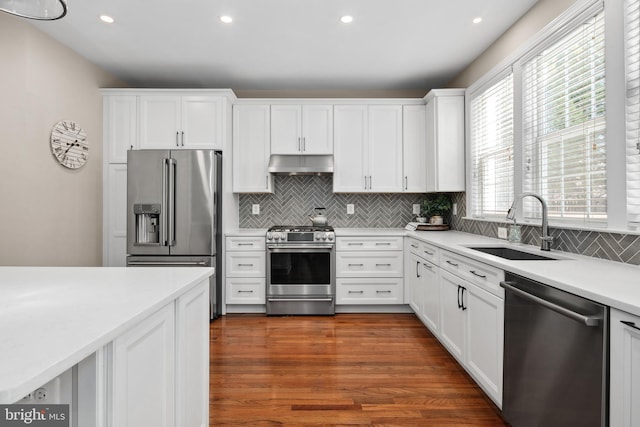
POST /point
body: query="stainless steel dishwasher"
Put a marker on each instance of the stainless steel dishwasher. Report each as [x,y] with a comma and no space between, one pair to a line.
[555,357]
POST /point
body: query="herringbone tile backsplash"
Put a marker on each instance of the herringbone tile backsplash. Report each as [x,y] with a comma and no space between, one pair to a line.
[295,197]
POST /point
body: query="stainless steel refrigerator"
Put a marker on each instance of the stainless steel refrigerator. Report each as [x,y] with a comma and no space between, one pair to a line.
[174,212]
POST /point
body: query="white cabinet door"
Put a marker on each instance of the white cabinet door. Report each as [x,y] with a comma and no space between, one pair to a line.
[251,124]
[317,129]
[160,122]
[115,217]
[192,388]
[445,140]
[286,129]
[385,148]
[624,370]
[301,129]
[201,122]
[414,149]
[452,321]
[430,284]
[143,389]
[351,139]
[120,126]
[413,277]
[485,336]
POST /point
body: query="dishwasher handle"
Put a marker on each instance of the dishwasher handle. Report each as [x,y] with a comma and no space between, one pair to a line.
[587,320]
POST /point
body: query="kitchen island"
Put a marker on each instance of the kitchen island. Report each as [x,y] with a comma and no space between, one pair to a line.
[111,322]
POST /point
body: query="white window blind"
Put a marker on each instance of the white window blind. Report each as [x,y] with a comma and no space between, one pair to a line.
[564,127]
[632,56]
[491,134]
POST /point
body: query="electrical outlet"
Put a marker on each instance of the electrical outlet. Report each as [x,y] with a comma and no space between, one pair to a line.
[255,209]
[502,233]
[350,209]
[455,209]
[40,394]
[416,209]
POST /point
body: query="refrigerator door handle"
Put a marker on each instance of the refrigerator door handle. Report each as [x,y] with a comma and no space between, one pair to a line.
[164,224]
[171,202]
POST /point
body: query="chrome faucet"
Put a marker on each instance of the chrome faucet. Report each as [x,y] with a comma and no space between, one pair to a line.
[546,239]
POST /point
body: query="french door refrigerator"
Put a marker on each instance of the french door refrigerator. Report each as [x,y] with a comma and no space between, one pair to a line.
[174,212]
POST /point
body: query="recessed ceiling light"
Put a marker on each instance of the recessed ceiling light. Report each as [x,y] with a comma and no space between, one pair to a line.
[226,19]
[477,20]
[107,19]
[347,19]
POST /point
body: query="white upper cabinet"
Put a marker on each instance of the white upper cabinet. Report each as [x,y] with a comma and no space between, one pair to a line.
[171,121]
[414,148]
[368,148]
[301,129]
[120,126]
[251,126]
[445,165]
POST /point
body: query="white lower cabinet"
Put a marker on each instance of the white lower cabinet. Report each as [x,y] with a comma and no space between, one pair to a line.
[160,368]
[624,392]
[423,282]
[144,373]
[245,270]
[369,270]
[472,329]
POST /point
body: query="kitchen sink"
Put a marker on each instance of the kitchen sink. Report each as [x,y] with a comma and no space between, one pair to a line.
[511,254]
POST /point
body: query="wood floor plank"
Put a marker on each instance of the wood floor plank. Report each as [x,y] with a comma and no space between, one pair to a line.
[347,370]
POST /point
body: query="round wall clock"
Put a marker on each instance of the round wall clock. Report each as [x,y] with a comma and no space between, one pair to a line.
[69,144]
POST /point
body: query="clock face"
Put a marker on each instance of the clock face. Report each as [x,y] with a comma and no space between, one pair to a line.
[69,144]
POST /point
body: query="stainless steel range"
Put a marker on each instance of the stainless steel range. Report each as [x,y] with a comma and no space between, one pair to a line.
[301,266]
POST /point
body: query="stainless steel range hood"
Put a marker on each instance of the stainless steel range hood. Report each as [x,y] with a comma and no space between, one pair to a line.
[291,164]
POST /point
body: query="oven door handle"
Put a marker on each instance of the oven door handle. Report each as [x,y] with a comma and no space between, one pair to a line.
[305,248]
[329,299]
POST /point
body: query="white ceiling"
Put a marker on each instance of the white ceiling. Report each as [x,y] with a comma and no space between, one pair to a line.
[285,44]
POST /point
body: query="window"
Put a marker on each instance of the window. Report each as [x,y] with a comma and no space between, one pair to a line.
[492,149]
[632,56]
[564,132]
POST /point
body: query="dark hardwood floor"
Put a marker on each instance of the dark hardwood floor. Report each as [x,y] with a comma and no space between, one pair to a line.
[347,370]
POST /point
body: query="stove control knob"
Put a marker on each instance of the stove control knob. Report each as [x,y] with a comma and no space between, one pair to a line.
[316,236]
[324,236]
[283,236]
[269,236]
[330,237]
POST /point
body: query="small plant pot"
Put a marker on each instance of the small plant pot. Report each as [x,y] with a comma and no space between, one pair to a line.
[421,219]
[436,220]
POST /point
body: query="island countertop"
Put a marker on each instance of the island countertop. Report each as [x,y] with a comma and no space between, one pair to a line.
[51,318]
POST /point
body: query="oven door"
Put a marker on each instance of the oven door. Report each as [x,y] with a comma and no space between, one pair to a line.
[300,279]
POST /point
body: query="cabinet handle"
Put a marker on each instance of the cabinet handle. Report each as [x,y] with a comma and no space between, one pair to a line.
[365,182]
[304,144]
[355,244]
[630,324]
[383,243]
[245,292]
[370,182]
[177,142]
[266,182]
[406,183]
[245,244]
[383,265]
[245,265]
[464,307]
[428,253]
[356,292]
[355,265]
[451,263]
[414,246]
[428,266]
[482,276]
[183,138]
[299,145]
[383,292]
[461,290]
[417,269]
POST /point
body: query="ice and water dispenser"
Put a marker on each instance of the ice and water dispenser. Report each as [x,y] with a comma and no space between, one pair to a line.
[147,224]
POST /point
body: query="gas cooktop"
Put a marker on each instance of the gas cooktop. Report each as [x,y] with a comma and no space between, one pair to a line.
[300,228]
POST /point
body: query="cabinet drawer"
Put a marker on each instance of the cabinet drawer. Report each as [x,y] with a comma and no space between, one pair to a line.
[245,243]
[383,243]
[242,290]
[369,291]
[369,264]
[424,250]
[485,276]
[246,264]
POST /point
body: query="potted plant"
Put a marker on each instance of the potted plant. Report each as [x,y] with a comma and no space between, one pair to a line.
[434,206]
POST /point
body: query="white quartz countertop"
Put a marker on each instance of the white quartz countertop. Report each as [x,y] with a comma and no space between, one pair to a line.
[611,283]
[51,318]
